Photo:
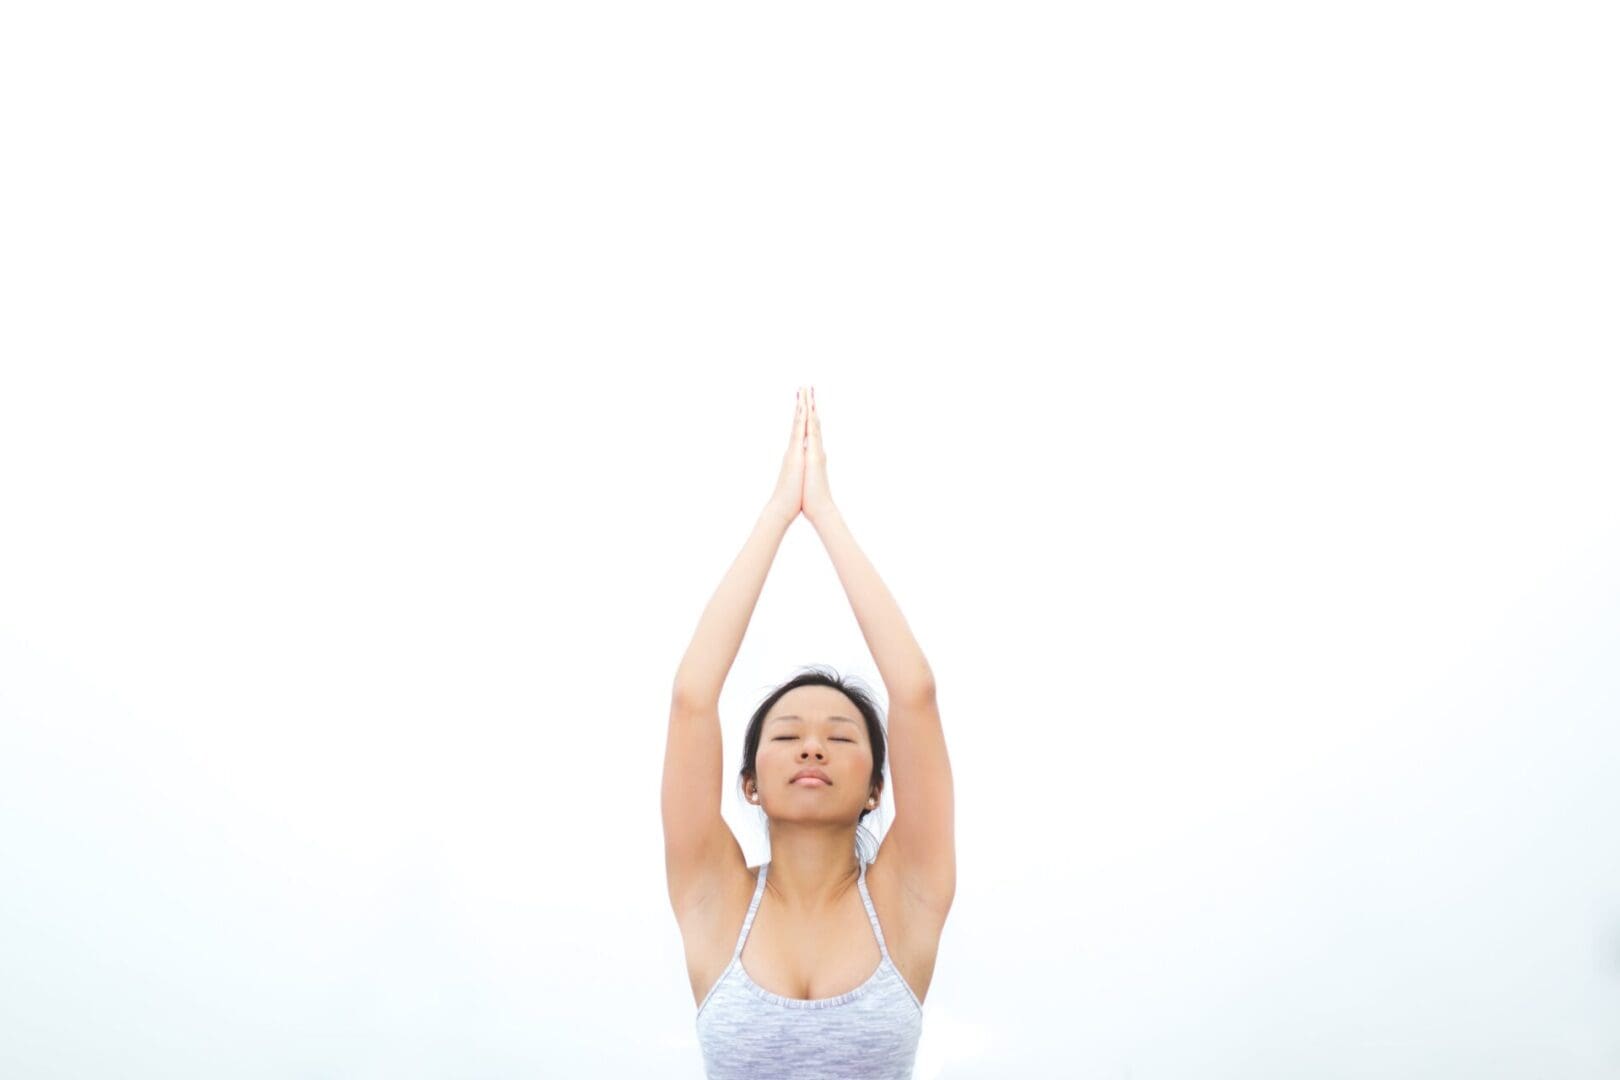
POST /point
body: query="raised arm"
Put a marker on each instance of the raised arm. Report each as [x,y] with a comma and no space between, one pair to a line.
[719,635]
[702,672]
[698,845]
[922,840]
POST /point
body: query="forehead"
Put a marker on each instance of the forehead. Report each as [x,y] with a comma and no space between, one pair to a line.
[815,703]
[791,717]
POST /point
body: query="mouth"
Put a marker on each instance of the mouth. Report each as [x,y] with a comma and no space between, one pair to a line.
[810,781]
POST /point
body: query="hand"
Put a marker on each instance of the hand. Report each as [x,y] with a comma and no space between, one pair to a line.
[790,483]
[816,499]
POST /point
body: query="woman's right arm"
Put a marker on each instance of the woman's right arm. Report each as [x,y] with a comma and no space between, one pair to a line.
[698,844]
[719,634]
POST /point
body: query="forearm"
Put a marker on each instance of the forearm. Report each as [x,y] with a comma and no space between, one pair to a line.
[702,672]
[899,658]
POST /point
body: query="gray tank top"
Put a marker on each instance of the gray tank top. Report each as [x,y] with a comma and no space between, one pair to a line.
[869,1033]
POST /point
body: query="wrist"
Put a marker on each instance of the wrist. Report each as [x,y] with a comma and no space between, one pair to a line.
[779,513]
[824,513]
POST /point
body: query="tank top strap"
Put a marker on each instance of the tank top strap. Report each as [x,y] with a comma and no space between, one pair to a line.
[753,908]
[871,913]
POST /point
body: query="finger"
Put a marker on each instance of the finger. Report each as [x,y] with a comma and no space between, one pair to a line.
[799,411]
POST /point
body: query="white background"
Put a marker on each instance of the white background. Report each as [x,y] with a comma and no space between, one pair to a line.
[1227,393]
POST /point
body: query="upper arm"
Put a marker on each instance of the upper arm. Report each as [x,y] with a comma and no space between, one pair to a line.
[920,845]
[700,850]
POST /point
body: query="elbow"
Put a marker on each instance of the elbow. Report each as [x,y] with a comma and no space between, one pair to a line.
[915,691]
[689,698]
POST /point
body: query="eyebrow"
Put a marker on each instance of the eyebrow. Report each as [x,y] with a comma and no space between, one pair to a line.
[790,716]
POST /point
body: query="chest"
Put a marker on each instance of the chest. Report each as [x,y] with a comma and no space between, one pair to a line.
[801,957]
[810,958]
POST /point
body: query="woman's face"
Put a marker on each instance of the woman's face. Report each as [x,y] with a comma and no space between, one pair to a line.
[814,727]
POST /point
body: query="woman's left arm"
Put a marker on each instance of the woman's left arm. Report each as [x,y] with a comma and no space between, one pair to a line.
[923,834]
[900,659]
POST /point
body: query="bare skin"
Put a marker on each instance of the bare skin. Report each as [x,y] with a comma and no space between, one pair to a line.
[811,937]
[813,826]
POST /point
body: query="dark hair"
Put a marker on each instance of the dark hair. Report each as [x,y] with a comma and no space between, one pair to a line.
[817,675]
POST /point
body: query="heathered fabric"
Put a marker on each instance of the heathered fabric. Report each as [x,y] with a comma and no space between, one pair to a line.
[869,1033]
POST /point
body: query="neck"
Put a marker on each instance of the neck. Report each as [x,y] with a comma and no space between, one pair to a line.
[812,867]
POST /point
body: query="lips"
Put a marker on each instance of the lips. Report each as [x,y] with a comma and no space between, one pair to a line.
[809,776]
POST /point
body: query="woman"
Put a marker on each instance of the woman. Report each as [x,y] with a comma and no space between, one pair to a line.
[815,963]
